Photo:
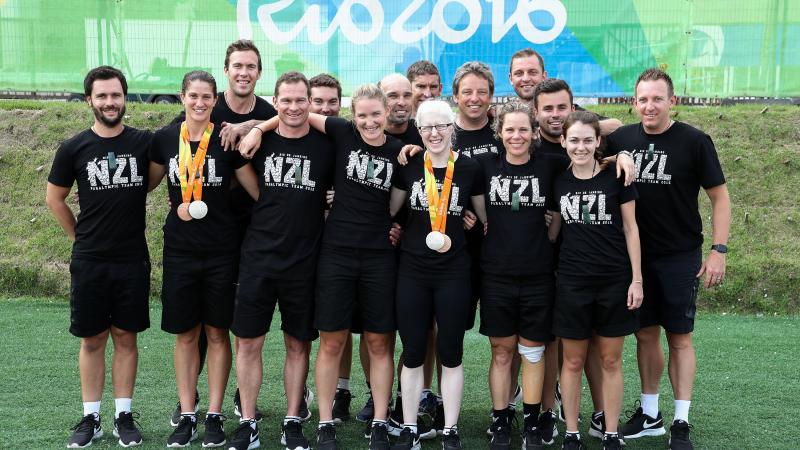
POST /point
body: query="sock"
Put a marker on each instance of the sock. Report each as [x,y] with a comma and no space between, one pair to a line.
[191,414]
[344,384]
[574,434]
[253,423]
[121,405]
[91,408]
[650,404]
[609,434]
[288,419]
[597,414]
[530,413]
[378,421]
[213,413]
[412,426]
[322,423]
[682,410]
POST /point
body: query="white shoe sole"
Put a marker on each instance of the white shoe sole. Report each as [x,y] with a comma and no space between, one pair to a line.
[214,444]
[97,435]
[254,444]
[177,445]
[130,444]
[648,432]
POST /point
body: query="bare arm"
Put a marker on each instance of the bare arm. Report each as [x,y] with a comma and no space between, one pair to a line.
[251,142]
[396,199]
[714,266]
[608,126]
[246,176]
[631,230]
[317,121]
[56,200]
[479,205]
[156,173]
[232,133]
[555,226]
[624,164]
[407,152]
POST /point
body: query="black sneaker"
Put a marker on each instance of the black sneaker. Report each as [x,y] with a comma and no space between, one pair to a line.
[125,429]
[597,426]
[509,422]
[547,427]
[379,437]
[572,443]
[408,440]
[215,431]
[679,436]
[184,433]
[305,403]
[326,437]
[292,436]
[450,439]
[438,420]
[640,424]
[176,414]
[501,439]
[367,412]
[341,405]
[245,437]
[612,442]
[532,440]
[427,405]
[425,431]
[85,431]
[394,424]
[237,407]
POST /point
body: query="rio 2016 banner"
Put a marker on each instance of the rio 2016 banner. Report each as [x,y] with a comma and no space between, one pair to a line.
[712,48]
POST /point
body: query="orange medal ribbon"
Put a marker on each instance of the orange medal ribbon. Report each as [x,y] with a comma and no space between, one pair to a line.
[438,202]
[190,170]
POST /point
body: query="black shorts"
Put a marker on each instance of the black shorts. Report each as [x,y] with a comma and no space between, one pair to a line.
[670,291]
[583,306]
[106,293]
[197,289]
[255,303]
[355,287]
[518,306]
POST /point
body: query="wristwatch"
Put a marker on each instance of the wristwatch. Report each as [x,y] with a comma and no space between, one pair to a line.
[720,248]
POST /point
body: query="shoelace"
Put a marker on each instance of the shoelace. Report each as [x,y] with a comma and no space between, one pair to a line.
[128,420]
[379,432]
[86,423]
[293,428]
[215,418]
[681,430]
[637,406]
[186,421]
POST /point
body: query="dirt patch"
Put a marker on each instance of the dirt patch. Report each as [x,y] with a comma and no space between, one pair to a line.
[16,127]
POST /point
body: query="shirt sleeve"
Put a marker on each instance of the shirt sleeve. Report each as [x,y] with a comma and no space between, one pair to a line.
[398,177]
[477,180]
[337,128]
[708,166]
[612,146]
[62,173]
[154,153]
[627,193]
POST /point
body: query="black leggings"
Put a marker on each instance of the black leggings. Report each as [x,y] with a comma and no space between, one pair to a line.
[418,303]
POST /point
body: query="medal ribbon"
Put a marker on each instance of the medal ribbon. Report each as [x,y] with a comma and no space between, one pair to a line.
[437,203]
[190,170]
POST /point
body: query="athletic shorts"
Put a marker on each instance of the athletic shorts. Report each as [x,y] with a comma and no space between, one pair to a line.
[521,306]
[106,293]
[355,287]
[670,291]
[198,289]
[583,306]
[257,297]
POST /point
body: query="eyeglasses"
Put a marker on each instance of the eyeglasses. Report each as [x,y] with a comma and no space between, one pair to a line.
[428,128]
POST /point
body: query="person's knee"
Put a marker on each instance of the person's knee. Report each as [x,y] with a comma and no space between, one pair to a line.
[533,354]
[123,340]
[649,336]
[249,346]
[217,336]
[679,342]
[574,361]
[378,345]
[451,356]
[502,355]
[332,343]
[94,343]
[296,347]
[611,363]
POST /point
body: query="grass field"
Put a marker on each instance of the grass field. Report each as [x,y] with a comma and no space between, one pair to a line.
[758,149]
[747,393]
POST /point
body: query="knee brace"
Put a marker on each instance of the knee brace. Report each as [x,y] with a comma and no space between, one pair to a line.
[532,354]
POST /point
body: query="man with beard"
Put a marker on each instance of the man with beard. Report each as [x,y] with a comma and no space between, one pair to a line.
[110,266]
[526,71]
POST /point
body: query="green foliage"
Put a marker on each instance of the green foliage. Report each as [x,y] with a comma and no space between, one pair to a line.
[758,153]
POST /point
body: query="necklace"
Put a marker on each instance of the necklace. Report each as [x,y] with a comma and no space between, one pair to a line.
[249,108]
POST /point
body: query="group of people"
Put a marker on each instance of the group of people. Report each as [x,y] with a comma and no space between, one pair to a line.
[569,230]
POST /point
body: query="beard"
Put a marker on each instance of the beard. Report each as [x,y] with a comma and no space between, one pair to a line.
[98,114]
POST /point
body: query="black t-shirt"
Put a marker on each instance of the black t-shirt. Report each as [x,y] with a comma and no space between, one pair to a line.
[359,216]
[517,197]
[411,136]
[544,146]
[597,249]
[476,142]
[216,232]
[112,181]
[284,234]
[416,258]
[668,179]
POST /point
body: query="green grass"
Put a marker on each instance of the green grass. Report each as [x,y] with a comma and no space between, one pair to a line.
[759,154]
[746,396]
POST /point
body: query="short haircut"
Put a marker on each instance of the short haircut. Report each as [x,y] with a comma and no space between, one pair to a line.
[368,91]
[103,73]
[325,80]
[550,86]
[655,74]
[525,53]
[242,45]
[292,77]
[422,67]
[514,106]
[199,75]
[473,68]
